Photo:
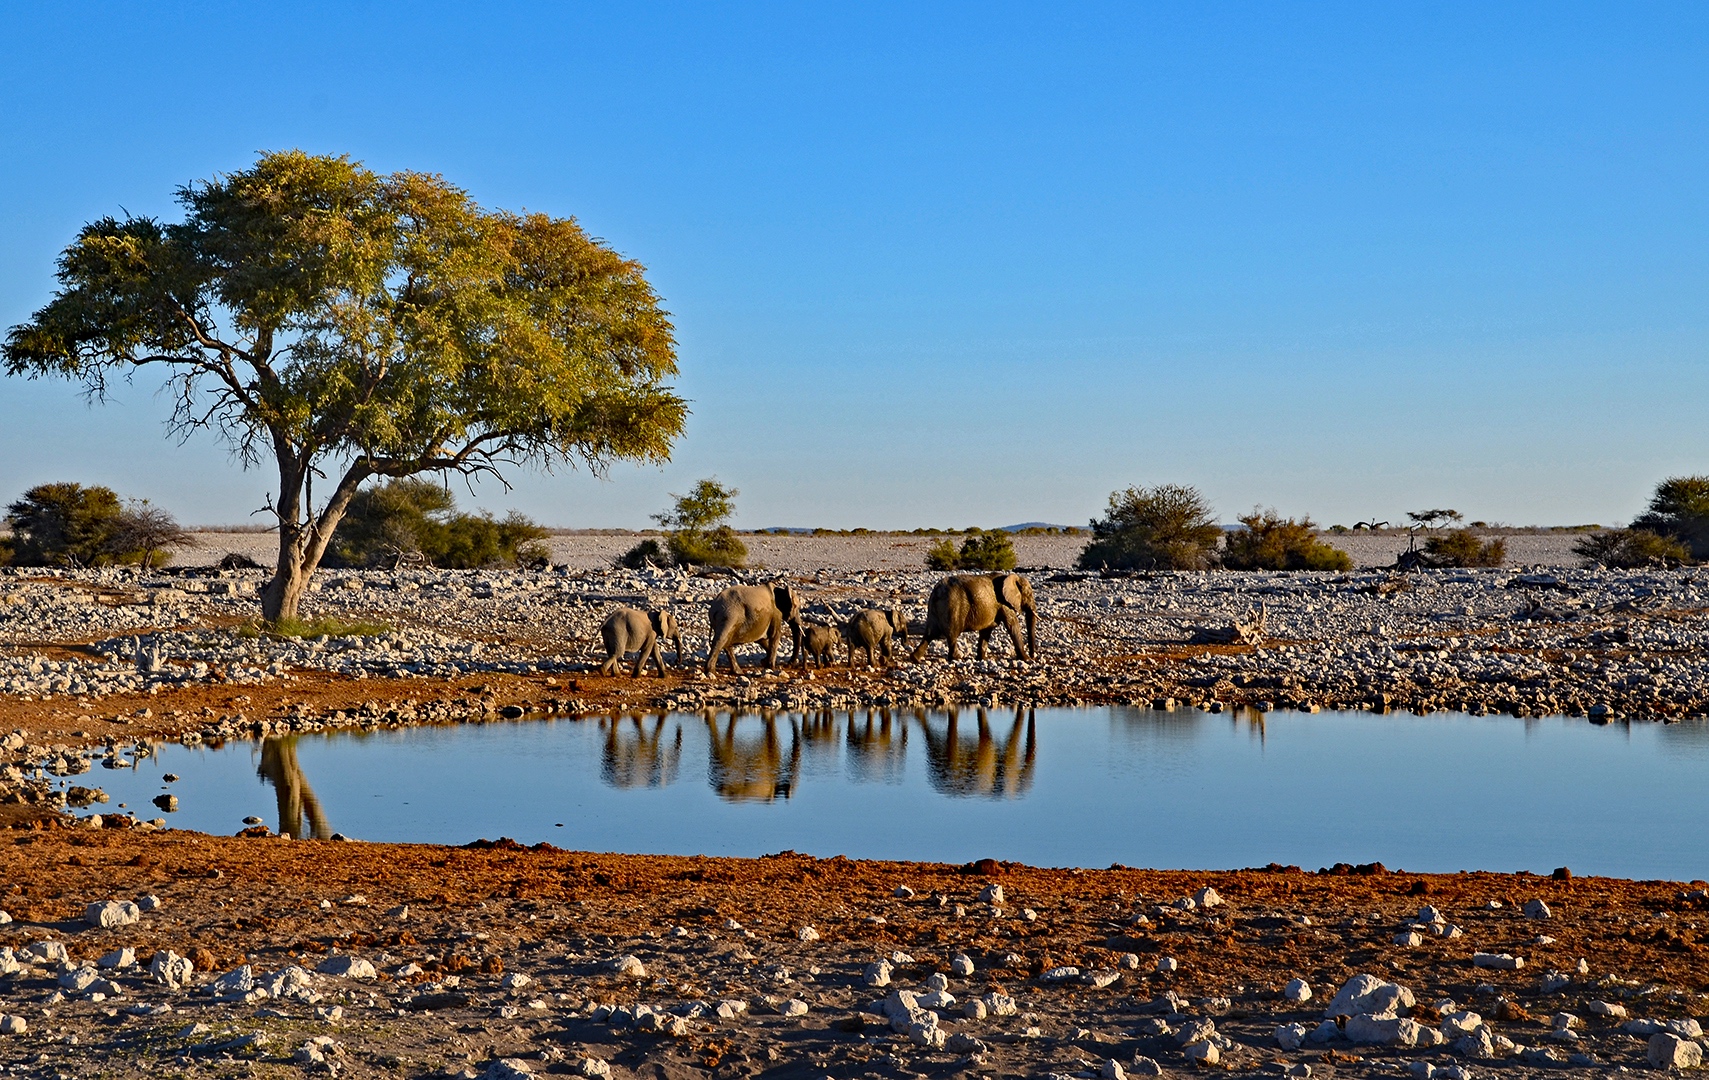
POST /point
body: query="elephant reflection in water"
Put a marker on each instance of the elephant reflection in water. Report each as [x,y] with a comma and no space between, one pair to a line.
[819,737]
[877,746]
[296,799]
[981,765]
[752,767]
[636,755]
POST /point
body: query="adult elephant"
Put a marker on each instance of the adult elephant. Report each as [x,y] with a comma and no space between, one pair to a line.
[979,603]
[744,613]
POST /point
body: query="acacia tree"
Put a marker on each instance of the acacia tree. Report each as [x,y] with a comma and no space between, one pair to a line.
[350,325]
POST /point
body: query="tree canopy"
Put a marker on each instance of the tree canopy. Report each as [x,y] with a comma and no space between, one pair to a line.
[350,324]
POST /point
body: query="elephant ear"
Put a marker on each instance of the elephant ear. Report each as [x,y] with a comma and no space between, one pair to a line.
[1009,589]
[784,597]
[659,620]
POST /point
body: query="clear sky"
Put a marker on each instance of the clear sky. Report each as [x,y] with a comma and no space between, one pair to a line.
[938,264]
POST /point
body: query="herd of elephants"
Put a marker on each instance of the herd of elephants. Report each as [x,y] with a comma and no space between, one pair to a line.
[958,604]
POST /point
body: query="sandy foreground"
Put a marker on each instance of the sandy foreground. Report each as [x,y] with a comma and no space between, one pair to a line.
[495,961]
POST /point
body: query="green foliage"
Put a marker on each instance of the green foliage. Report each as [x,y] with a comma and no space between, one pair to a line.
[697,529]
[65,524]
[647,551]
[1167,527]
[1430,519]
[318,313]
[1629,549]
[1463,548]
[6,551]
[979,550]
[1271,542]
[411,517]
[1679,510]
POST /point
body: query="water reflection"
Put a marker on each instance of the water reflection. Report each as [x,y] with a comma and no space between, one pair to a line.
[636,756]
[297,801]
[963,762]
[877,747]
[747,762]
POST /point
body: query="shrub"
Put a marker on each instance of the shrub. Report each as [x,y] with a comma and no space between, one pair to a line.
[1167,527]
[698,531]
[1628,549]
[647,551]
[64,524]
[144,532]
[1462,548]
[1679,510]
[415,517]
[979,551]
[1271,542]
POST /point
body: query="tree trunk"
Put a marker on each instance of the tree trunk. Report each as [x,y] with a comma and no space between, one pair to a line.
[302,537]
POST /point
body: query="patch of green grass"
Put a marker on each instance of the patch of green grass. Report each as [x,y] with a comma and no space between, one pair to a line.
[325,626]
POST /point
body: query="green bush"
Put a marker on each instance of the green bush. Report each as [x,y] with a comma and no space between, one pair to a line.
[65,524]
[1167,527]
[699,533]
[979,551]
[1463,548]
[1629,549]
[1679,510]
[1271,542]
[647,551]
[416,517]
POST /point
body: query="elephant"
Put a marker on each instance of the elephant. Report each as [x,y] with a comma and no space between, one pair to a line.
[818,643]
[744,613]
[978,603]
[631,629]
[873,631]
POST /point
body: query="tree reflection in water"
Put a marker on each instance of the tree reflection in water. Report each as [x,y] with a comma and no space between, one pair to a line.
[635,756]
[297,800]
[982,764]
[748,765]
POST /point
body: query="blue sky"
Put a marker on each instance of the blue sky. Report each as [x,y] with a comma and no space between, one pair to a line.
[978,264]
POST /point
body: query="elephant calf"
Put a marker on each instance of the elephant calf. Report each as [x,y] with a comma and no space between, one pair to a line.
[873,631]
[632,630]
[820,644]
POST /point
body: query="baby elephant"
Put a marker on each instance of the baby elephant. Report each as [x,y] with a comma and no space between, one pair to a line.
[632,630]
[873,631]
[820,643]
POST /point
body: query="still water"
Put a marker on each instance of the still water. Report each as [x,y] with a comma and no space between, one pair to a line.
[1052,787]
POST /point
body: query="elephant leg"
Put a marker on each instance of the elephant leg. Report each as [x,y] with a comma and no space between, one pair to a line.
[772,641]
[984,640]
[610,665]
[1014,628]
[720,643]
[951,637]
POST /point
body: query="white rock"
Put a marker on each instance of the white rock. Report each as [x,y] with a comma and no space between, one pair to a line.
[1431,915]
[509,1069]
[1368,995]
[628,965]
[1297,990]
[1685,1028]
[117,958]
[965,1044]
[1128,961]
[1457,1024]
[13,1025]
[961,965]
[593,1067]
[1060,974]
[1537,909]
[235,985]
[1205,1053]
[1291,1036]
[8,961]
[807,933]
[1097,980]
[1644,1028]
[1167,965]
[793,1007]
[1207,898]
[111,913]
[1608,1009]
[877,974]
[991,894]
[1195,1031]
[974,1009]
[902,892]
[1368,1030]
[1327,1031]
[516,980]
[928,1035]
[4,918]
[936,999]
[937,981]
[79,979]
[347,967]
[45,952]
[149,902]
[1563,1021]
[1409,939]
[1669,1051]
[1113,1070]
[171,970]
[1144,1066]
[1479,1044]
[1498,961]
[1001,1004]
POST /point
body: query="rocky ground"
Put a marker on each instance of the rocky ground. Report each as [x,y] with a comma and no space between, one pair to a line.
[415,961]
[172,954]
